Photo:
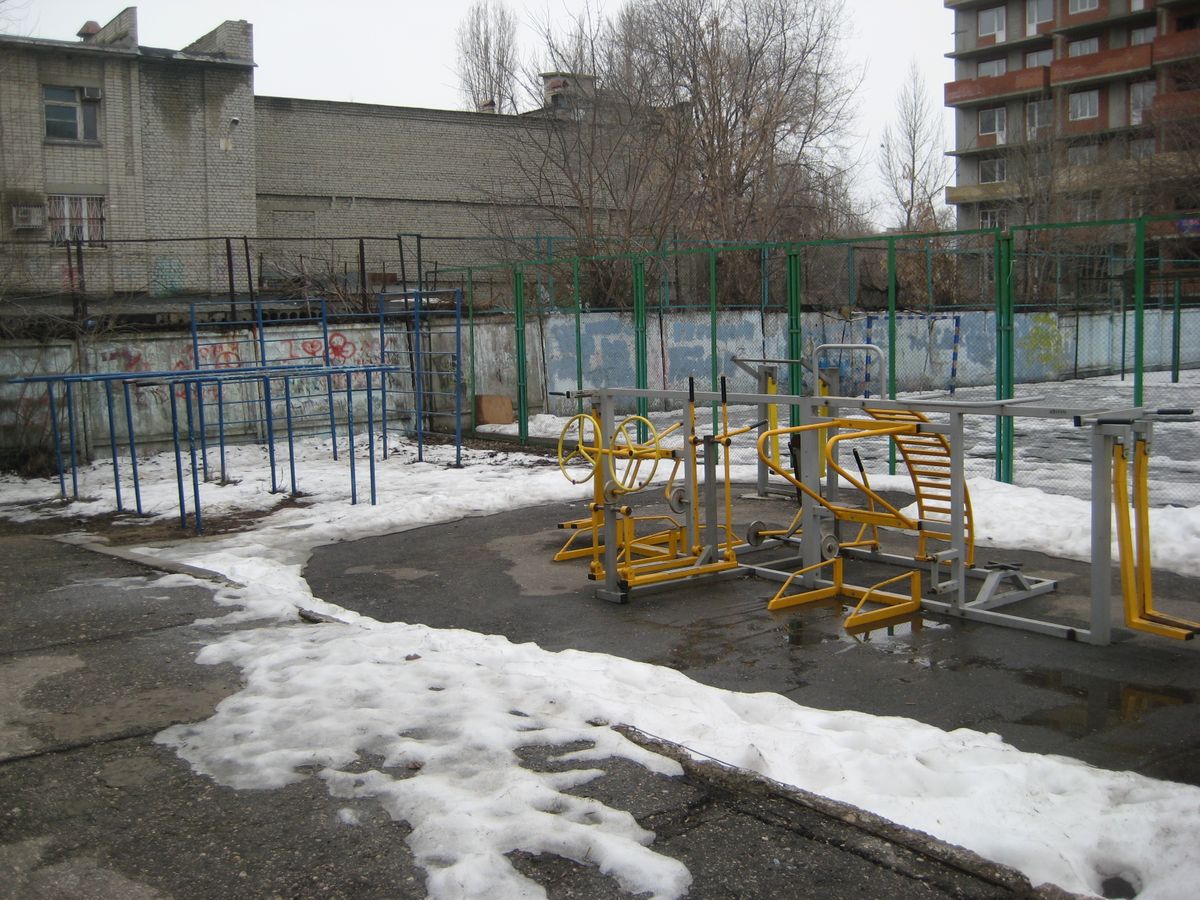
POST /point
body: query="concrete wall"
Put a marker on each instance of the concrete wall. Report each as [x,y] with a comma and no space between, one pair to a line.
[679,345]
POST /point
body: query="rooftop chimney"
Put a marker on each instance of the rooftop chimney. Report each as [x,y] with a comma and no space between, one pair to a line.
[90,29]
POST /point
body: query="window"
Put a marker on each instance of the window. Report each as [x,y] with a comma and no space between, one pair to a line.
[1141,96]
[1039,114]
[1141,148]
[1086,209]
[1084,105]
[74,218]
[1084,47]
[992,120]
[991,22]
[1081,6]
[1039,58]
[991,217]
[71,114]
[1083,154]
[1144,35]
[993,170]
[1037,12]
[991,67]
[1137,5]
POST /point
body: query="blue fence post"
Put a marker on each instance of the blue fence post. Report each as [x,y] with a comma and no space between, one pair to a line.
[221,428]
[56,437]
[269,421]
[178,456]
[112,444]
[133,460]
[199,392]
[350,438]
[287,404]
[187,399]
[71,438]
[370,434]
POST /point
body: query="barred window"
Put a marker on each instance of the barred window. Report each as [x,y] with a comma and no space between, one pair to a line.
[75,218]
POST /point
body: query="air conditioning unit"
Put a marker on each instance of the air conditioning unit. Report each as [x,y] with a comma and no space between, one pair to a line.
[92,93]
[28,216]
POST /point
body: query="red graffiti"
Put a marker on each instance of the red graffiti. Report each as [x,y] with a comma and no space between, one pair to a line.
[341,347]
[312,347]
[131,360]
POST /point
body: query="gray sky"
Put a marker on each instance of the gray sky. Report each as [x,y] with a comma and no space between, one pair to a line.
[402,53]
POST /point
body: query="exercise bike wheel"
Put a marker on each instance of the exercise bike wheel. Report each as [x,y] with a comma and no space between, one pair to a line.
[632,474]
[578,445]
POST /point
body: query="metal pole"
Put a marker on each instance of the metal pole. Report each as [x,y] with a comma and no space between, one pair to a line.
[1100,628]
[328,379]
[382,377]
[249,270]
[891,352]
[229,270]
[639,339]
[178,456]
[350,438]
[371,434]
[458,298]
[795,329]
[221,429]
[112,443]
[578,332]
[1139,310]
[269,421]
[187,399]
[1176,322]
[522,375]
[71,438]
[57,438]
[714,369]
[287,404]
[362,274]
[419,385]
[137,487]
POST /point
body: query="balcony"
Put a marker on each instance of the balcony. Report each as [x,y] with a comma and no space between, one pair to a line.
[970,91]
[1175,106]
[1103,65]
[1176,47]
[981,193]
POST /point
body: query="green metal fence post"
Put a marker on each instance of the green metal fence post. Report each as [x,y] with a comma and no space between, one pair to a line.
[522,372]
[471,341]
[712,319]
[891,348]
[1005,352]
[795,327]
[1139,309]
[578,332]
[1176,322]
[639,337]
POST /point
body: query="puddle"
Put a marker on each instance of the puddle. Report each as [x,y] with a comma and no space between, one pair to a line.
[1100,703]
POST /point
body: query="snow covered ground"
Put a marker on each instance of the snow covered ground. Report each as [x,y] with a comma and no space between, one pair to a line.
[445,709]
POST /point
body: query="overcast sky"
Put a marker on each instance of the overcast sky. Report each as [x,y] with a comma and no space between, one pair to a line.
[401,53]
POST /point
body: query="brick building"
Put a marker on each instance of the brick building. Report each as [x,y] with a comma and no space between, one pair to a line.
[105,143]
[1073,110]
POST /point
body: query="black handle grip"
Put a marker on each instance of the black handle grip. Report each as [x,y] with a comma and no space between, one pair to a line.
[722,388]
[1174,411]
[691,389]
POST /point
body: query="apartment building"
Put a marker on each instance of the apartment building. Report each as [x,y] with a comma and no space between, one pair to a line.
[1073,110]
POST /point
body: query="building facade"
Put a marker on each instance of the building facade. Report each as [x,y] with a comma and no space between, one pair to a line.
[132,171]
[1073,110]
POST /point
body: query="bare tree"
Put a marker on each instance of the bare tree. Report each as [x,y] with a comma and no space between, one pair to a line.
[487,57]
[912,159]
